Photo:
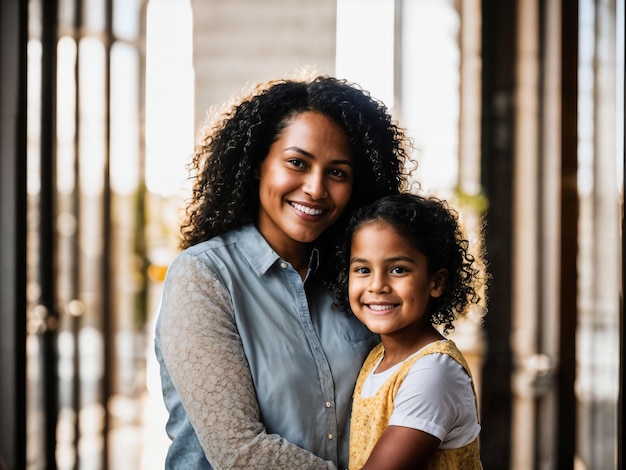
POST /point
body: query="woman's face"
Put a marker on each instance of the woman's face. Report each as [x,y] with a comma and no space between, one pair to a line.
[305,181]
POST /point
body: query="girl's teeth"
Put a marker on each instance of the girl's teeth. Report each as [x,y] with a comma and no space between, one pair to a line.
[380,307]
[306,210]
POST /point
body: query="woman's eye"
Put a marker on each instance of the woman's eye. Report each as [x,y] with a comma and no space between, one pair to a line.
[296,162]
[337,173]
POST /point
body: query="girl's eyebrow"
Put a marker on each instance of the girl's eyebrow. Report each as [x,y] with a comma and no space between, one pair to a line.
[339,161]
[393,259]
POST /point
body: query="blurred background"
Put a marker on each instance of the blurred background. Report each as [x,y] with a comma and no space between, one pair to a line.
[516,111]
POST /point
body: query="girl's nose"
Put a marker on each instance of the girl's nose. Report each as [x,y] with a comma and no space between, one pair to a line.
[378,283]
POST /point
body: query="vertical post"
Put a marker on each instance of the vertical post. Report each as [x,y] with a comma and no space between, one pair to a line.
[569,236]
[397,55]
[549,211]
[620,398]
[75,276]
[109,318]
[47,232]
[13,42]
[526,207]
[497,149]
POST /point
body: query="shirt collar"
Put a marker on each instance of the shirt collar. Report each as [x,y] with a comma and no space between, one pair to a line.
[260,254]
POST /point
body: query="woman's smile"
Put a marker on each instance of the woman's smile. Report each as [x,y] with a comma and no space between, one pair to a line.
[305,182]
[307,210]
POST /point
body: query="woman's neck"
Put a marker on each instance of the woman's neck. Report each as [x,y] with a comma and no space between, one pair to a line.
[297,255]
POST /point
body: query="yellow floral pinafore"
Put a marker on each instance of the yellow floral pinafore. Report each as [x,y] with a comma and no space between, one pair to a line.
[370,415]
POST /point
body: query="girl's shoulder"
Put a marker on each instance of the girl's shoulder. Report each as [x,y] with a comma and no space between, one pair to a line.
[437,377]
[445,348]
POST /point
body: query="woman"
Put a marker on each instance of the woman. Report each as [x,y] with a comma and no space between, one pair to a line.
[257,365]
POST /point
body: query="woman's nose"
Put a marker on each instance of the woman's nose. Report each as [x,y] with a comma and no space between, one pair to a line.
[315,186]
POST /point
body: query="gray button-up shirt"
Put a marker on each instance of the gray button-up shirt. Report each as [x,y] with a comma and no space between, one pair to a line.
[256,365]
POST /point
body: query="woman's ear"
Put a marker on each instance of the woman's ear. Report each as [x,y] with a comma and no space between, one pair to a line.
[439,283]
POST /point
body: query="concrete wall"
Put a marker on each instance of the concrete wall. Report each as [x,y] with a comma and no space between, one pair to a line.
[237,42]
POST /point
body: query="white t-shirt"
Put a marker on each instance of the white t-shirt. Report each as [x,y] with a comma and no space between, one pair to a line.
[435,397]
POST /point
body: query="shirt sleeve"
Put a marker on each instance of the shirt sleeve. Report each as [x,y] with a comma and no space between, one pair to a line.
[437,397]
[204,356]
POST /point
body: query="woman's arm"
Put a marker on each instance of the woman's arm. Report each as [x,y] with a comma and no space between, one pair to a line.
[401,448]
[204,356]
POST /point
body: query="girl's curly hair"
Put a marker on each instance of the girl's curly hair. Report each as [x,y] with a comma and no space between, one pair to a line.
[225,194]
[432,227]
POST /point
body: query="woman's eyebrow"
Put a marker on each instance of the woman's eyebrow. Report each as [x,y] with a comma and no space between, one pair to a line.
[339,161]
[302,151]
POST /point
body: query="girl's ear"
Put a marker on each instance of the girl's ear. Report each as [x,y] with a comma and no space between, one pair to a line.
[438,281]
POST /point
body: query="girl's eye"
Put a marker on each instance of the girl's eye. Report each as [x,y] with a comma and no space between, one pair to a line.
[361,270]
[398,270]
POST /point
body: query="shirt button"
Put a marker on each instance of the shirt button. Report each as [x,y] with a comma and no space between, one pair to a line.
[283,265]
[330,436]
[327,404]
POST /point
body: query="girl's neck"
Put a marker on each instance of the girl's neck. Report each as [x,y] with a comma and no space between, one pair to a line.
[399,347]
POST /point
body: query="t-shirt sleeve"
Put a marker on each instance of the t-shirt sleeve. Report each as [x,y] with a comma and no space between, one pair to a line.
[434,396]
[204,356]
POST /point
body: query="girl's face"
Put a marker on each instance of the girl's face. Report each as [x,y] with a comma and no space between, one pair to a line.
[305,181]
[389,283]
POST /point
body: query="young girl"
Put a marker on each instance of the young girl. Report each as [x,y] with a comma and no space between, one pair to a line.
[408,269]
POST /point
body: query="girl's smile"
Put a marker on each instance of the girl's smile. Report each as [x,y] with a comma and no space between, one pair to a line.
[389,283]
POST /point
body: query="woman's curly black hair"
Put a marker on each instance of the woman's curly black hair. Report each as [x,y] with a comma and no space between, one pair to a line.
[225,194]
[432,227]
